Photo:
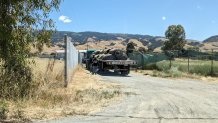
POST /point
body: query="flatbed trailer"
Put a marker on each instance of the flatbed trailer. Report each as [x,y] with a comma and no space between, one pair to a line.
[122,66]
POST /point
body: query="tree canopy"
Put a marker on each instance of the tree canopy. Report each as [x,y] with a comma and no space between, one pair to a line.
[176,38]
[130,47]
[22,23]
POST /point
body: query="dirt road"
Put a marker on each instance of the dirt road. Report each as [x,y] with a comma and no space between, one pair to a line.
[158,100]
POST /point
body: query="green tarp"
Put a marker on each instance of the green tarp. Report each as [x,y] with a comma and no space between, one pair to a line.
[143,59]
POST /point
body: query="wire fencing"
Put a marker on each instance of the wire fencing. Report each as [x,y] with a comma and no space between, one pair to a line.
[201,62]
[195,61]
[71,59]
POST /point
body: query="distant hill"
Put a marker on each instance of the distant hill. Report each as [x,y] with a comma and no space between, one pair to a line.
[211,39]
[82,37]
[117,40]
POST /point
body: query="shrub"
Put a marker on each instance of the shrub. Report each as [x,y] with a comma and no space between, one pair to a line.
[151,66]
[201,69]
[163,65]
[3,109]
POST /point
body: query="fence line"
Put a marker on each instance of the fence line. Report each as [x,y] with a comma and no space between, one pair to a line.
[189,61]
[71,59]
[201,59]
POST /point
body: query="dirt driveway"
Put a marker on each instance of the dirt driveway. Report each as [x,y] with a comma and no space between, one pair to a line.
[158,100]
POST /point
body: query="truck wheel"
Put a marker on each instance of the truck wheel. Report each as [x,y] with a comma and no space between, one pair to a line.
[124,73]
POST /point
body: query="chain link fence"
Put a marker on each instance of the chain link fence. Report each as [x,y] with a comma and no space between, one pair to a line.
[188,61]
[71,59]
[194,61]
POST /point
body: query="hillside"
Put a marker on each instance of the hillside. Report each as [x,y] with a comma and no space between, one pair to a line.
[211,39]
[82,37]
[98,40]
[110,44]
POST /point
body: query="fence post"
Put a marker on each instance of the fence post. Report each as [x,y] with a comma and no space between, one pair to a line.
[212,72]
[188,61]
[143,62]
[65,62]
[170,63]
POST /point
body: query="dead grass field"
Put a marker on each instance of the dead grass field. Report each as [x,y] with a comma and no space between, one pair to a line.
[119,44]
[85,94]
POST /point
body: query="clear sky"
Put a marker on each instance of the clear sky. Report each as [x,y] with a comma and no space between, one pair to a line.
[148,17]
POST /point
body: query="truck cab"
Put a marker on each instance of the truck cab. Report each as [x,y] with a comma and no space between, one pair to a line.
[87,58]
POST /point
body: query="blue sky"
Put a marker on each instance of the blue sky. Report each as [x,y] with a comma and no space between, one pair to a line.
[148,17]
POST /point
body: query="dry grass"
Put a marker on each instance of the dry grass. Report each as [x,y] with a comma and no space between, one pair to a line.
[46,49]
[117,44]
[102,45]
[85,94]
[156,73]
[209,46]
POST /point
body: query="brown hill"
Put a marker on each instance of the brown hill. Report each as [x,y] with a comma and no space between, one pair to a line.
[120,44]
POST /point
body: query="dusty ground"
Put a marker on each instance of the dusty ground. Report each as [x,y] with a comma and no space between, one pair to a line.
[158,100]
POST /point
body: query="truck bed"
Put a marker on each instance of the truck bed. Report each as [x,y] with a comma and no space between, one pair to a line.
[119,62]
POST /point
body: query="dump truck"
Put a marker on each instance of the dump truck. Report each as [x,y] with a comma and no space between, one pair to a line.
[110,59]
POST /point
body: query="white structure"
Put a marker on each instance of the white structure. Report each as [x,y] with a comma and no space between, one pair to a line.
[59,54]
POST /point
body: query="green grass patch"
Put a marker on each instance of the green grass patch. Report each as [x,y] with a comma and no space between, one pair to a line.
[199,67]
[179,66]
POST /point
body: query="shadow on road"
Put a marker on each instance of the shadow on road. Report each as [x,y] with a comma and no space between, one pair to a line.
[110,73]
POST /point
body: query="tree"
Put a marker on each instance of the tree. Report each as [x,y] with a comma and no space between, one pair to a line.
[176,38]
[130,47]
[22,23]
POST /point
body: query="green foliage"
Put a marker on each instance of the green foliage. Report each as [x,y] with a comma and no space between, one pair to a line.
[150,66]
[3,109]
[176,38]
[173,72]
[130,47]
[22,23]
[200,67]
[194,48]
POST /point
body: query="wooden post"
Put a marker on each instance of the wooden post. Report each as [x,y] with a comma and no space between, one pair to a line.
[65,63]
[170,63]
[188,61]
[212,72]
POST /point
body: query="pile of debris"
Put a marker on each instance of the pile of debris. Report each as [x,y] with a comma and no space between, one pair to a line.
[110,54]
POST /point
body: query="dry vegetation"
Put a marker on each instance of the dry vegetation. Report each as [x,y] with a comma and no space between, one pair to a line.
[46,49]
[120,44]
[86,94]
[209,46]
[198,69]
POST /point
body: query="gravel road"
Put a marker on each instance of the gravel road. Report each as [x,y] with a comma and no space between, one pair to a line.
[157,100]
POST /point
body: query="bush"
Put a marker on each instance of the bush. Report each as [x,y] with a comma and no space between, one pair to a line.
[16,83]
[151,66]
[201,69]
[174,72]
[163,65]
[3,109]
